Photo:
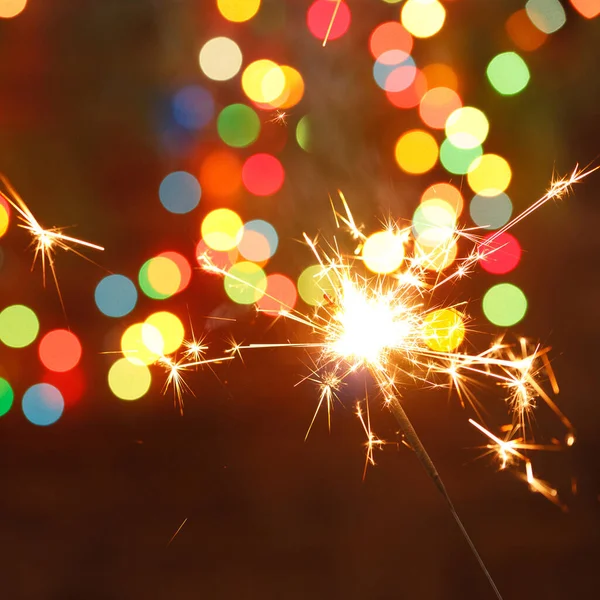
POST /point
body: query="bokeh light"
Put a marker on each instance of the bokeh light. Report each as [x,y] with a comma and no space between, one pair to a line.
[383,252]
[394,71]
[245,283]
[183,265]
[222,229]
[238,125]
[262,174]
[504,304]
[6,396]
[467,127]
[4,215]
[524,34]
[443,330]
[60,350]
[441,75]
[436,257]
[238,11]
[458,160]
[587,8]
[280,295]
[489,175]
[193,107]
[390,36]
[423,18]
[221,173]
[547,15]
[171,330]
[159,278]
[263,81]
[319,17]
[411,96]
[508,73]
[11,8]
[129,381]
[142,344]
[19,326]
[220,59]
[303,133]
[179,192]
[259,241]
[416,152]
[314,285]
[43,404]
[436,106]
[446,192]
[499,254]
[115,295]
[70,383]
[491,212]
[434,222]
[293,90]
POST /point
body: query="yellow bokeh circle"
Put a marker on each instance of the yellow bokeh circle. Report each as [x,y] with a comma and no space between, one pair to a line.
[142,344]
[443,330]
[164,275]
[467,127]
[238,11]
[293,90]
[4,220]
[489,175]
[423,18]
[171,330]
[416,152]
[222,229]
[263,81]
[129,381]
[436,257]
[383,252]
[314,286]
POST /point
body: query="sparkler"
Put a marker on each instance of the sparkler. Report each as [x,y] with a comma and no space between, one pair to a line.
[45,241]
[392,325]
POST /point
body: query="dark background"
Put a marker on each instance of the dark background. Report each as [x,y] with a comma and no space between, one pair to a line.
[88,506]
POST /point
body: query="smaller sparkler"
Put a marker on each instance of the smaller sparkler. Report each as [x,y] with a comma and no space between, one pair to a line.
[45,241]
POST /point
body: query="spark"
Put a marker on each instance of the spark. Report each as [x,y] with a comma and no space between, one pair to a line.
[386,324]
[280,117]
[176,368]
[45,241]
[333,16]
[178,530]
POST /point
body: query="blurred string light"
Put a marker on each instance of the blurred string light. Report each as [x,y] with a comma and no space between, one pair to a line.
[19,326]
[523,33]
[179,192]
[193,107]
[238,125]
[416,151]
[423,18]
[221,173]
[115,296]
[303,133]
[4,216]
[238,11]
[220,59]
[43,404]
[6,396]
[491,212]
[508,73]
[263,174]
[547,15]
[11,8]
[504,304]
[60,350]
[589,9]
[499,254]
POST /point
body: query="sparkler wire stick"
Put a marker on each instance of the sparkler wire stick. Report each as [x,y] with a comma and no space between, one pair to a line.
[417,446]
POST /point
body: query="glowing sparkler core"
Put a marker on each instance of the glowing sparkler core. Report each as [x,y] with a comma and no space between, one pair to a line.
[366,328]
